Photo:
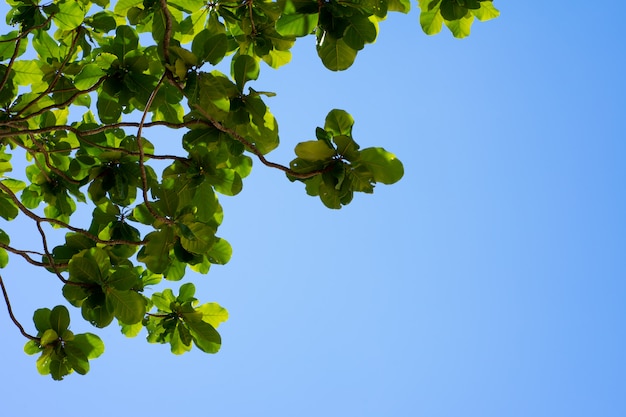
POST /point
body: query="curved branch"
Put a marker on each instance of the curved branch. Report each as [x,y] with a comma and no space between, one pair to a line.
[168,31]
[219,126]
[80,134]
[13,319]
[39,219]
[60,105]
[44,242]
[25,254]
[142,167]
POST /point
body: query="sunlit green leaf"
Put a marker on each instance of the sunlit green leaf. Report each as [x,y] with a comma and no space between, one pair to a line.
[88,76]
[382,164]
[213,313]
[296,24]
[314,150]
[69,16]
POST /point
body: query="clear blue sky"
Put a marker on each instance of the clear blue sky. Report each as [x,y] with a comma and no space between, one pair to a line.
[489,282]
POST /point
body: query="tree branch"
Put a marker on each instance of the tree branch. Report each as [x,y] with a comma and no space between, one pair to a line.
[25,254]
[17,323]
[142,167]
[39,219]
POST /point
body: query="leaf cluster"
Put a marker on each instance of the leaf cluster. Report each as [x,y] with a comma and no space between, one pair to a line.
[82,86]
[62,351]
[345,168]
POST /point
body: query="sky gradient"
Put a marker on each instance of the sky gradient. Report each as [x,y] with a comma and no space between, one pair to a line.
[490,281]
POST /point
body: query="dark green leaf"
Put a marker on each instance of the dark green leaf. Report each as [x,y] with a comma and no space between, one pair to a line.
[59,319]
[335,54]
[245,68]
[204,336]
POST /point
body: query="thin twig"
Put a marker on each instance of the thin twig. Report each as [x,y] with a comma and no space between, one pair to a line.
[142,167]
[17,323]
[25,254]
[60,223]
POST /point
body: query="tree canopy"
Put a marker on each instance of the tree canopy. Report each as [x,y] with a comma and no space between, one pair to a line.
[82,83]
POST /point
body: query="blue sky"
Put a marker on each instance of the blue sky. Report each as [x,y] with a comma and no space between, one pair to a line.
[490,281]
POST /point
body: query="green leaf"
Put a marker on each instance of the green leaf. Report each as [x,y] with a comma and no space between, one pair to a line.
[59,369]
[163,300]
[41,318]
[102,21]
[90,344]
[59,319]
[347,147]
[329,195]
[245,68]
[402,6]
[43,362]
[28,73]
[486,12]
[128,306]
[210,47]
[48,337]
[213,313]
[88,76]
[359,32]
[69,16]
[76,358]
[7,46]
[123,279]
[8,210]
[201,239]
[430,18]
[155,254]
[339,122]
[186,292]
[96,311]
[314,150]
[297,24]
[109,109]
[131,330]
[460,28]
[335,54]
[204,336]
[220,253]
[382,164]
[4,258]
[180,341]
[84,269]
[452,10]
[31,347]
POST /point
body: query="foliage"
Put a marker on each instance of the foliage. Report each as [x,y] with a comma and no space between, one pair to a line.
[80,84]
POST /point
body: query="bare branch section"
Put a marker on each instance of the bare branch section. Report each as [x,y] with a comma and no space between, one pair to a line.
[13,319]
